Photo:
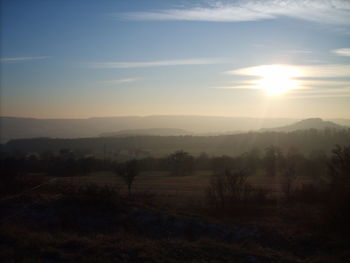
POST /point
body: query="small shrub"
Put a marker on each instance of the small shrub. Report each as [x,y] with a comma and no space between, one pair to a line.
[230,189]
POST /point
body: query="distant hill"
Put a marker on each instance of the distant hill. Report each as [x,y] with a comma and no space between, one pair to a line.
[147,132]
[312,123]
[18,128]
[344,122]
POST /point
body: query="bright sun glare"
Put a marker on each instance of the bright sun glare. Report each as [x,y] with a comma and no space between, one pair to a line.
[276,79]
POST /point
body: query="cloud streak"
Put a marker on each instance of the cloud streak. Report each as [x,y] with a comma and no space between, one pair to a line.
[308,71]
[326,11]
[342,52]
[118,81]
[160,63]
[22,59]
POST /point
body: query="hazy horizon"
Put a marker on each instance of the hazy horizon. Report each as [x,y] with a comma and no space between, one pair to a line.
[173,115]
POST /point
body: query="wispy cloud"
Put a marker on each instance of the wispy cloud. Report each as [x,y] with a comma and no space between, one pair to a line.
[296,51]
[302,71]
[325,11]
[22,59]
[118,81]
[238,86]
[160,63]
[342,52]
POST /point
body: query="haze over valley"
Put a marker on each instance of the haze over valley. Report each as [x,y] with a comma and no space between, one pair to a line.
[16,128]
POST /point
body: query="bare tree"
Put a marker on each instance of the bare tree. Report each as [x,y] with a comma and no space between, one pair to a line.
[228,187]
[128,171]
[289,171]
[338,208]
[339,168]
[271,159]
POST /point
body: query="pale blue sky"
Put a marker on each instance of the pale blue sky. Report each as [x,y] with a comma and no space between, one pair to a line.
[62,59]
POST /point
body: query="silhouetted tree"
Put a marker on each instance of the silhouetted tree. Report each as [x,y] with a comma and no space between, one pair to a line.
[290,169]
[316,165]
[222,164]
[270,160]
[339,168]
[181,163]
[250,161]
[128,171]
[338,206]
[202,162]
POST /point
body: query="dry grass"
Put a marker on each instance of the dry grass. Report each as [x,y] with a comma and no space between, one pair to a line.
[26,245]
[174,187]
[119,236]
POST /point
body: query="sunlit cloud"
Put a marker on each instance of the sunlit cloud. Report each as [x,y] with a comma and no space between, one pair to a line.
[22,59]
[326,11]
[262,70]
[159,63]
[342,52]
[323,83]
[239,86]
[304,83]
[306,71]
[310,80]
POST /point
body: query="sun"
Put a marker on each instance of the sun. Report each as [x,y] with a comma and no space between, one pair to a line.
[276,79]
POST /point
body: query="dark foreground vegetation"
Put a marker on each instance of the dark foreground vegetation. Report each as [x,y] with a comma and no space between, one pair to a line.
[45,218]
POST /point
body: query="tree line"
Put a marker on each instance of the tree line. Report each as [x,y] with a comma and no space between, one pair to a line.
[228,184]
[271,161]
[138,147]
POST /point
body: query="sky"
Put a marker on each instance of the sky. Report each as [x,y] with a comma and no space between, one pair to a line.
[243,58]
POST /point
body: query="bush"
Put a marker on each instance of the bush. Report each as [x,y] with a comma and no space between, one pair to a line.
[231,188]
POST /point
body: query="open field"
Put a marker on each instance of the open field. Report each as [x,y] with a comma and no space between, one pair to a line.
[92,225]
[165,184]
[167,218]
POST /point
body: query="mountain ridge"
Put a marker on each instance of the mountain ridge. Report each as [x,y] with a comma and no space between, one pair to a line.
[147,132]
[310,123]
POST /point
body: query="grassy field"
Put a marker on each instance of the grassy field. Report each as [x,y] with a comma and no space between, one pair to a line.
[165,184]
[173,224]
